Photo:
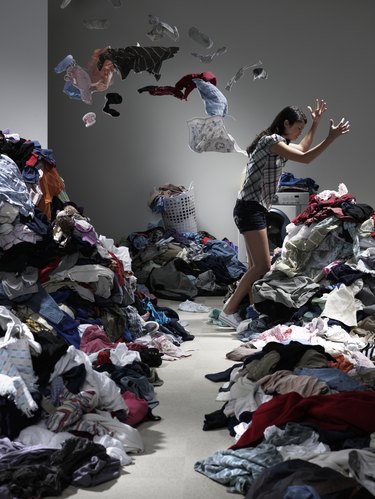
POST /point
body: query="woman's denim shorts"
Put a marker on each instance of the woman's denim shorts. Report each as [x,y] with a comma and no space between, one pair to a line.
[249,215]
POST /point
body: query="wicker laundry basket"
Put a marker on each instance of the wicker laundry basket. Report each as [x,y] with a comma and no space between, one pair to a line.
[179,212]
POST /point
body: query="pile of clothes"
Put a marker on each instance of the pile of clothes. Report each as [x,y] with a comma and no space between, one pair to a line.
[300,399]
[182,265]
[80,340]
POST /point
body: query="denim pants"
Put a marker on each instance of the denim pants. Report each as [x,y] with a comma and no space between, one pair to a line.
[43,304]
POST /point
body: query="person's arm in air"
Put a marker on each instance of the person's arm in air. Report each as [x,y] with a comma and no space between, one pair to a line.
[294,154]
[320,108]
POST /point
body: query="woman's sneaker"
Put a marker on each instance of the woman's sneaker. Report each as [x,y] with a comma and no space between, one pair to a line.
[231,320]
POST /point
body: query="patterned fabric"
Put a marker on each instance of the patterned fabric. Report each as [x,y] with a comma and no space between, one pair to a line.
[263,172]
[15,360]
[238,469]
[209,134]
[72,409]
[137,59]
[168,349]
[34,326]
[17,378]
[134,322]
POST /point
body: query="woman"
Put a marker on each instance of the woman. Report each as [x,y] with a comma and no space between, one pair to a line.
[268,154]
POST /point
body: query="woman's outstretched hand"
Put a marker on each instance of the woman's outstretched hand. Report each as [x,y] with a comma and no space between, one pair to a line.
[340,129]
[320,108]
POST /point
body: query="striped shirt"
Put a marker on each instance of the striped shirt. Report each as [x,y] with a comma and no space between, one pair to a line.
[137,58]
[263,172]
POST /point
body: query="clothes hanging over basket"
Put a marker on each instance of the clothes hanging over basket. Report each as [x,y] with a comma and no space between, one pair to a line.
[177,207]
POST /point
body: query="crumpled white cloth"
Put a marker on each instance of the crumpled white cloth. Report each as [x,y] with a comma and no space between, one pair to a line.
[38,434]
[342,306]
[129,437]
[190,306]
[121,355]
[209,134]
[326,194]
[368,253]
[122,252]
[114,448]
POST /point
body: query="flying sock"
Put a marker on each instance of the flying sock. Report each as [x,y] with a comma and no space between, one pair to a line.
[112,98]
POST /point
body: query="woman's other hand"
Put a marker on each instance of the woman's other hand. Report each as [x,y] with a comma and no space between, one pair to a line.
[317,113]
[340,129]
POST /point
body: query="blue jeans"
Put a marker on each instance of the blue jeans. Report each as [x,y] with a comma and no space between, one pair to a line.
[43,304]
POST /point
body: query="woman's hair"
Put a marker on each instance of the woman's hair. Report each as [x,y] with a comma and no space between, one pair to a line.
[290,113]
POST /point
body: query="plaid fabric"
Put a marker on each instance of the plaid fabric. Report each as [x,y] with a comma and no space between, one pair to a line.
[263,172]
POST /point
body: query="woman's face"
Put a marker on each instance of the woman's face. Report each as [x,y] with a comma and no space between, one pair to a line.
[292,132]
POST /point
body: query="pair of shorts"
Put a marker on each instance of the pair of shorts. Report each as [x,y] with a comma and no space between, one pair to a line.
[249,215]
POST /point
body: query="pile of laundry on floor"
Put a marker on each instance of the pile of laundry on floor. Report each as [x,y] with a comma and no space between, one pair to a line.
[300,399]
[80,338]
[182,265]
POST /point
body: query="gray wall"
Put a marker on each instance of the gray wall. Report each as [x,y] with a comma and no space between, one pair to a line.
[24,74]
[310,49]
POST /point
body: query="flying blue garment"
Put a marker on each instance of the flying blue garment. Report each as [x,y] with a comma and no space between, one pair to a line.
[215,102]
[64,64]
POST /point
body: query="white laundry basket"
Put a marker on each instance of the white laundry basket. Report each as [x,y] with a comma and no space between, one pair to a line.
[179,212]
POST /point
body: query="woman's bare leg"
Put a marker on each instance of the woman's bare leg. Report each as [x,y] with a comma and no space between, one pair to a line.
[259,263]
[249,266]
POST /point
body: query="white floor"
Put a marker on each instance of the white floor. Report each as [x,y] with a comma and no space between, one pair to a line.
[174,444]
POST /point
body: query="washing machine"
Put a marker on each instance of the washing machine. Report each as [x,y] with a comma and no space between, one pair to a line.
[285,207]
